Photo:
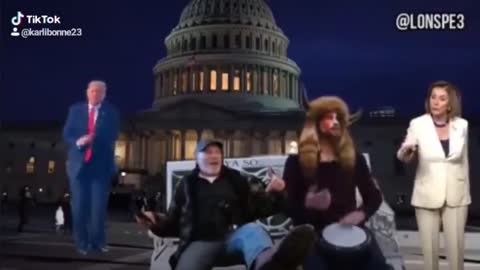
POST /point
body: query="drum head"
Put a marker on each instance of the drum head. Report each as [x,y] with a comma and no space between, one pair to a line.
[344,236]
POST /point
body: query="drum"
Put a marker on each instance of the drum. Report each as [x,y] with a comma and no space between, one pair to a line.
[344,244]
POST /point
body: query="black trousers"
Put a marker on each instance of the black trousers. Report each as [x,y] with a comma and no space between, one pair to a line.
[374,260]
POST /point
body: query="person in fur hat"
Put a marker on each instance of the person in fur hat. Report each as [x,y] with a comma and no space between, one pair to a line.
[321,182]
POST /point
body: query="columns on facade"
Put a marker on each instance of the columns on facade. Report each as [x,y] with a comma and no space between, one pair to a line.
[243,78]
[294,88]
[166,83]
[157,87]
[169,146]
[178,71]
[188,74]
[251,139]
[182,144]
[270,82]
[126,164]
[219,78]
[206,79]
[231,77]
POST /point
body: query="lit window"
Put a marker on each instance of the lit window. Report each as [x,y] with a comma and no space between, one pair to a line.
[236,80]
[224,81]
[51,166]
[213,80]
[30,168]
[191,139]
[293,147]
[249,81]
[175,82]
[201,80]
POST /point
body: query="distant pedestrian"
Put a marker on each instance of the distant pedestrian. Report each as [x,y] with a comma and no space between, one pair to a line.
[24,207]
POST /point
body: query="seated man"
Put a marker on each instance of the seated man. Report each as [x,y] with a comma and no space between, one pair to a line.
[321,182]
[207,207]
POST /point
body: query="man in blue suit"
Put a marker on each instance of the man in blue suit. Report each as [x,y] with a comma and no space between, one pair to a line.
[90,132]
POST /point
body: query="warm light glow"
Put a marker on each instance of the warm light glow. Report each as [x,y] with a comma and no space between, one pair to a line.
[202,78]
[213,80]
[120,153]
[207,134]
[191,139]
[275,84]
[51,166]
[175,82]
[123,174]
[224,81]
[30,167]
[249,81]
[293,147]
[236,80]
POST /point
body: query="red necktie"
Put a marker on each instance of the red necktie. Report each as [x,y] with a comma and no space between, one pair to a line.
[91,128]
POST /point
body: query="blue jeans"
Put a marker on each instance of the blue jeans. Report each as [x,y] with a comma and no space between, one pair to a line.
[89,202]
[249,241]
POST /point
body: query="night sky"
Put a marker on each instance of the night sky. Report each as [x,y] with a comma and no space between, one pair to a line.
[347,48]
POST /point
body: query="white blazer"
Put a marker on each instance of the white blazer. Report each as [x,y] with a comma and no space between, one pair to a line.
[439,179]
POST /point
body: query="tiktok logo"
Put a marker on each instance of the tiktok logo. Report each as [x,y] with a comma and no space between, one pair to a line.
[17,20]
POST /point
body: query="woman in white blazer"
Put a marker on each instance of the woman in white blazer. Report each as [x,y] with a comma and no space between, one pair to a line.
[438,140]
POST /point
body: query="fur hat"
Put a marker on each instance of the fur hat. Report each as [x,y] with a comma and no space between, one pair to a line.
[309,146]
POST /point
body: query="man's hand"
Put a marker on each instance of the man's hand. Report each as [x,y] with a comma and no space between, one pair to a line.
[276,183]
[85,139]
[353,218]
[318,200]
[149,219]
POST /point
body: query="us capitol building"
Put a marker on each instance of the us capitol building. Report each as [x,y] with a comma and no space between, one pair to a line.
[226,75]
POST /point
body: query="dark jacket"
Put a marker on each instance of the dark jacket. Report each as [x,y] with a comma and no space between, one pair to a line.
[103,147]
[341,187]
[179,218]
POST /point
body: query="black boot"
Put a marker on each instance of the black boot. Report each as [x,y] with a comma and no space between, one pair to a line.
[290,253]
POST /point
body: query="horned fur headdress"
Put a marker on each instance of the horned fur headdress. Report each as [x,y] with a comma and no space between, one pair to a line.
[309,145]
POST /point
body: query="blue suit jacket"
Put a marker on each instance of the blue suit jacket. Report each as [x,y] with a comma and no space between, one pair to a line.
[107,125]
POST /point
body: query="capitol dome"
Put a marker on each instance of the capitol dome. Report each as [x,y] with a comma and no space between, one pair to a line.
[247,12]
[228,53]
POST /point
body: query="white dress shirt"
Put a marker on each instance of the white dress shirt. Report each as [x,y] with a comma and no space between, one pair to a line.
[96,108]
